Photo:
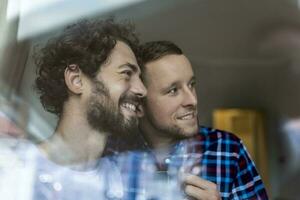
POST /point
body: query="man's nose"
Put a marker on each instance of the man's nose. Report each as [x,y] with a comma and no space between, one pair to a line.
[138,88]
[190,98]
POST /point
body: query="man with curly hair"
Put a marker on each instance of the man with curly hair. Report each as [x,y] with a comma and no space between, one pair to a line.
[89,77]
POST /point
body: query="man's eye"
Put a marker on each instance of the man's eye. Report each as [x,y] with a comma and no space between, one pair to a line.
[173,91]
[127,73]
[192,85]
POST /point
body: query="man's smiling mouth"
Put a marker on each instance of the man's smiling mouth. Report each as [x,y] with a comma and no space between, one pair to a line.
[187,116]
[129,106]
[133,107]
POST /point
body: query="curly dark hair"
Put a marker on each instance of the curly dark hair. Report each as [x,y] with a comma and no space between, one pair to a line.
[86,44]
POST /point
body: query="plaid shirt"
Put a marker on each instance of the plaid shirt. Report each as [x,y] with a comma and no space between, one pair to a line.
[214,155]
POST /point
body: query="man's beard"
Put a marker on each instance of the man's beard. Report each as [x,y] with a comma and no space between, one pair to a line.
[104,115]
[172,131]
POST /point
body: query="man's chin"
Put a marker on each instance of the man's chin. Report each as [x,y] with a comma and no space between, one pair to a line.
[129,119]
[188,132]
[128,115]
[132,124]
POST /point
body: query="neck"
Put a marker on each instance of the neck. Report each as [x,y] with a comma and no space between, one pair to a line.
[74,141]
[160,142]
[156,139]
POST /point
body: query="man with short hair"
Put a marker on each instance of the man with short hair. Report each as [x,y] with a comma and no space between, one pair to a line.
[89,77]
[171,131]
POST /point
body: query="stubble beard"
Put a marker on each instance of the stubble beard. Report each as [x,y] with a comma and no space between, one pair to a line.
[173,131]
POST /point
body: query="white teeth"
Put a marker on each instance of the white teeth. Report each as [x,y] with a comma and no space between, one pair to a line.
[130,106]
[187,117]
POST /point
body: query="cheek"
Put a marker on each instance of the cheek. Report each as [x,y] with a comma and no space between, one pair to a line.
[162,111]
[117,90]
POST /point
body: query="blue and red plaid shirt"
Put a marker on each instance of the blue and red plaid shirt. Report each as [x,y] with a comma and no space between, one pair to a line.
[214,155]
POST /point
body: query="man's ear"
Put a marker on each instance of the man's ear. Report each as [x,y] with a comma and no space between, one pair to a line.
[73,79]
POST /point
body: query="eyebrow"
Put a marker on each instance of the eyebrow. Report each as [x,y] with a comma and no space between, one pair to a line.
[133,67]
[165,89]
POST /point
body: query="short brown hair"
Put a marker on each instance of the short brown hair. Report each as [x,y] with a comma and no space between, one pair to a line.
[155,50]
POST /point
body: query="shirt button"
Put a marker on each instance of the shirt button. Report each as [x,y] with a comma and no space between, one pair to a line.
[57,186]
[167,161]
[45,178]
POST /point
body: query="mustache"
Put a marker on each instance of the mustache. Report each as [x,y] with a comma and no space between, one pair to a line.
[190,109]
[131,98]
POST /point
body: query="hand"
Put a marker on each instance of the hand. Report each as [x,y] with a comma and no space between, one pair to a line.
[200,189]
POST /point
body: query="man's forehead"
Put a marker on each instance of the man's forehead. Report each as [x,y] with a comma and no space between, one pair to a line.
[122,56]
[169,69]
[127,56]
[122,48]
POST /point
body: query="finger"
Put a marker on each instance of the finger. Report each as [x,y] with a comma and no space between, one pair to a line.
[191,179]
[200,194]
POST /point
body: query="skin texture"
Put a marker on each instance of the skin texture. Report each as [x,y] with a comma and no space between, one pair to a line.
[171,114]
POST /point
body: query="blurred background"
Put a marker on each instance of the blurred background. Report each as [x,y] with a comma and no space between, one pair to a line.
[246,57]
